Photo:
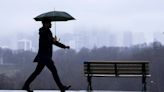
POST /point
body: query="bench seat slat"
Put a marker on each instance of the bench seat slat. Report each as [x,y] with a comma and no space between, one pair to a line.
[113,75]
[116,68]
[108,72]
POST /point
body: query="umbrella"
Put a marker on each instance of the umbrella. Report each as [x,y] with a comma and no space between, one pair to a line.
[54,16]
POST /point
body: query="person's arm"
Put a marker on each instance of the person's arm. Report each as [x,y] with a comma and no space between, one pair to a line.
[57,43]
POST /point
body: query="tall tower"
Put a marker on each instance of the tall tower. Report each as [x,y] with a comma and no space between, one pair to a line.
[24,44]
[127,38]
[159,36]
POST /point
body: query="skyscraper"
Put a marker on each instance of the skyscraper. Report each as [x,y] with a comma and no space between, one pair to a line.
[127,38]
[24,44]
[159,36]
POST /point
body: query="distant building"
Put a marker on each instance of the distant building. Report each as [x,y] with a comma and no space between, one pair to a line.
[24,44]
[139,38]
[158,36]
[81,40]
[112,40]
[127,38]
[91,39]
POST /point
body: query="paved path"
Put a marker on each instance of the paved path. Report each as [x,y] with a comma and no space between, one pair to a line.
[59,91]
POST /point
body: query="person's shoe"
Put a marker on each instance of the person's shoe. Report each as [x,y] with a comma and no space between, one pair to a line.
[65,88]
[27,89]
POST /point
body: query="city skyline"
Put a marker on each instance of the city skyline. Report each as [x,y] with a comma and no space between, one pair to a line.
[118,15]
[90,39]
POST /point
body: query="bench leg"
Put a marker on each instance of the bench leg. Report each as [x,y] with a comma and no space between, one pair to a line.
[144,78]
[144,89]
[89,78]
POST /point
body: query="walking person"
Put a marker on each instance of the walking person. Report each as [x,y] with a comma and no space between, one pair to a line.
[44,56]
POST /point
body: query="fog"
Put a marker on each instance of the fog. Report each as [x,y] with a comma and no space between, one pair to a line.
[81,37]
[140,18]
[103,30]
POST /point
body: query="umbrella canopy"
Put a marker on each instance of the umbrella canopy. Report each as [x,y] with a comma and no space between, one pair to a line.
[54,16]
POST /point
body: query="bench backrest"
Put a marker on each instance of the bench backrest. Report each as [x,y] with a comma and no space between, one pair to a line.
[116,68]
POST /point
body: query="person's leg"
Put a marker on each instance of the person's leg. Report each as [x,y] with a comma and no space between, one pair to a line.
[53,70]
[37,71]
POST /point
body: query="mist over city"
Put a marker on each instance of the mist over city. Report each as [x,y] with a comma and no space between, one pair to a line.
[103,30]
[88,38]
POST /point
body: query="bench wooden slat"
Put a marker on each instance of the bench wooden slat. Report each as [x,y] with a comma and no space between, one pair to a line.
[113,72]
[117,68]
[112,75]
[121,68]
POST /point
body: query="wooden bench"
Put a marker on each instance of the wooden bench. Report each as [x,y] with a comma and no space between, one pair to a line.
[116,69]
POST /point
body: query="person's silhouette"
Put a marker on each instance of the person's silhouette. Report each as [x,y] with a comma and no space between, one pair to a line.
[44,56]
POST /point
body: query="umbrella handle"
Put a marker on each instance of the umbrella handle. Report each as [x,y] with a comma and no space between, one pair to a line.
[55,28]
[55,24]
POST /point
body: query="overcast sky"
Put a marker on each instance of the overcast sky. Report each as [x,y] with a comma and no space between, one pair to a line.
[119,15]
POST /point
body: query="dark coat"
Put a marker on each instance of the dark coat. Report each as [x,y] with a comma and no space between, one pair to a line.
[45,46]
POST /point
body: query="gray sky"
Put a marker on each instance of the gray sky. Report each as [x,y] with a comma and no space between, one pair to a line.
[118,15]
